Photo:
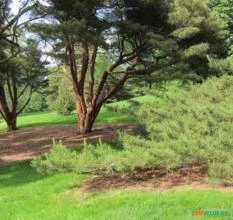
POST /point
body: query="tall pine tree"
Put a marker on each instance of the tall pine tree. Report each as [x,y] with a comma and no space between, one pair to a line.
[139,37]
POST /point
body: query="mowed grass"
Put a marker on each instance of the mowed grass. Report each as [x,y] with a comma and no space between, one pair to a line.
[25,194]
[52,118]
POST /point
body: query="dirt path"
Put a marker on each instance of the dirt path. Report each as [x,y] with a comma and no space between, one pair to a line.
[26,143]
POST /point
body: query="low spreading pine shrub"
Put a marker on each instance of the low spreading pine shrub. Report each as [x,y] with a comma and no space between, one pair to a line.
[194,126]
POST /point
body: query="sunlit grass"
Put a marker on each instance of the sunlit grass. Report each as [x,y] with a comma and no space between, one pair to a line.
[52,118]
[25,194]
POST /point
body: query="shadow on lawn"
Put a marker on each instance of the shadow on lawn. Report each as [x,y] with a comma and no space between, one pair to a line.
[17,174]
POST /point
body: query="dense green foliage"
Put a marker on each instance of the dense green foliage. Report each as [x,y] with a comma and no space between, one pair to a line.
[37,103]
[194,126]
[225,11]
[224,8]
[199,32]
[65,102]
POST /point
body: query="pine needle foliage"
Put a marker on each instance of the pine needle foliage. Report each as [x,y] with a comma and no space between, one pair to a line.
[194,126]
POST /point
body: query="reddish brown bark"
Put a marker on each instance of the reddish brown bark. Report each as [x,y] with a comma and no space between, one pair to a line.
[86,116]
[91,94]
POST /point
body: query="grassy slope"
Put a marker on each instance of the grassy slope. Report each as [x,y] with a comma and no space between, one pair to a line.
[52,118]
[24,194]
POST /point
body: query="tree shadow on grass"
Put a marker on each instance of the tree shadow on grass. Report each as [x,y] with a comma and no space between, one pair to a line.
[18,173]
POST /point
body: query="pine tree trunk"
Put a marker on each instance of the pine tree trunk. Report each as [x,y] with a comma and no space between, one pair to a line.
[10,116]
[12,123]
[86,117]
[86,121]
[84,125]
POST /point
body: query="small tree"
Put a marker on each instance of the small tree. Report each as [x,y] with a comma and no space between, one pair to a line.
[20,78]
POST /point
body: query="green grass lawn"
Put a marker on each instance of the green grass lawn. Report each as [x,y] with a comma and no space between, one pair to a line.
[25,194]
[52,118]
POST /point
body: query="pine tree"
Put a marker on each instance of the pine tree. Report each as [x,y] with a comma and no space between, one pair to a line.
[21,77]
[199,32]
[224,8]
[84,30]
[136,37]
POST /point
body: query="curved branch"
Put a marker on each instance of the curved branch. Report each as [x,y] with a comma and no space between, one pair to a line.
[3,116]
[92,71]
[10,57]
[27,102]
[16,18]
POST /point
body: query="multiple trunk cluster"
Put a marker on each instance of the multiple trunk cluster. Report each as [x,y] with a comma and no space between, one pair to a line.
[142,41]
[91,94]
[10,90]
[9,108]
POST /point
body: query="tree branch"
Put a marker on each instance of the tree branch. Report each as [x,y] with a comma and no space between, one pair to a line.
[92,71]
[85,62]
[3,116]
[23,90]
[27,102]
[115,88]
[9,87]
[10,57]
[73,65]
[15,19]
[104,79]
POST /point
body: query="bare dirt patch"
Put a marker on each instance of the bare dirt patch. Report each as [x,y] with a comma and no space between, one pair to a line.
[26,143]
[153,179]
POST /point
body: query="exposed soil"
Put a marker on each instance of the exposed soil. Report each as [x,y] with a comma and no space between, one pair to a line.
[153,179]
[26,143]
